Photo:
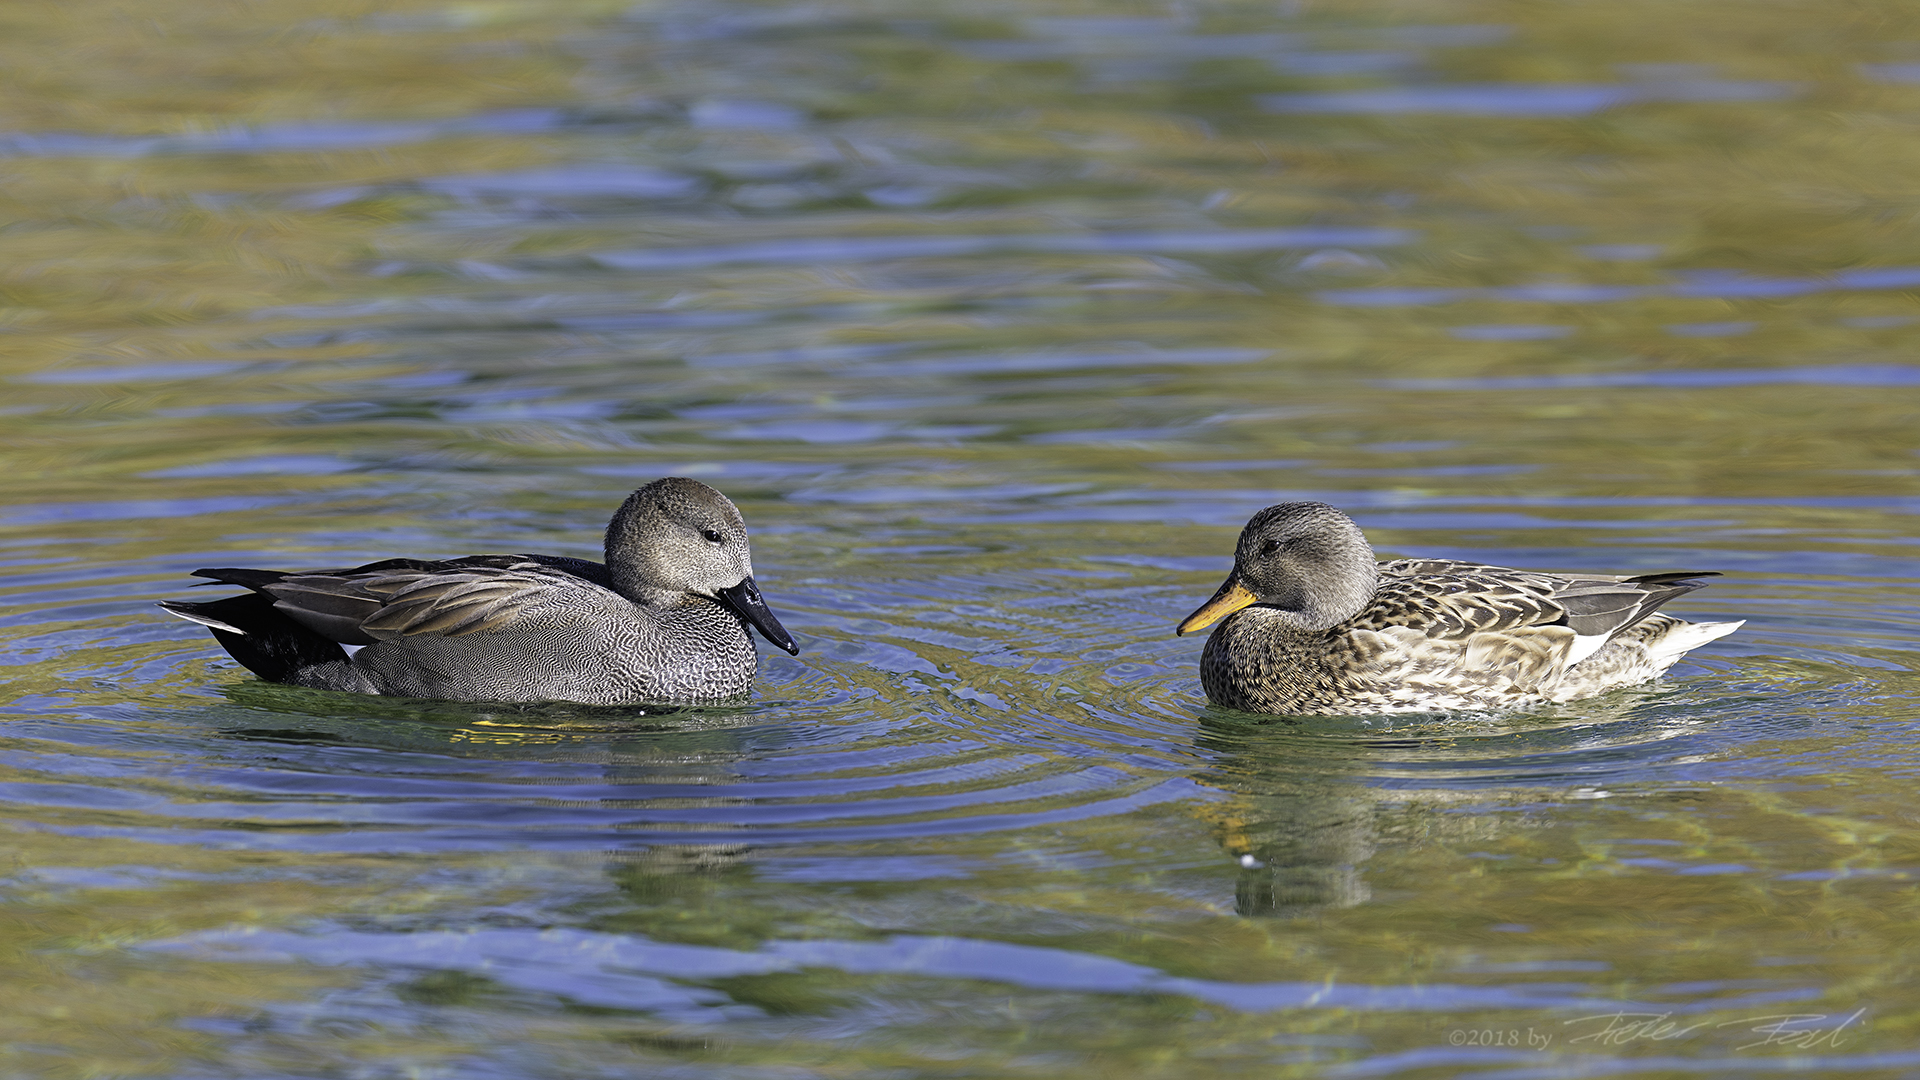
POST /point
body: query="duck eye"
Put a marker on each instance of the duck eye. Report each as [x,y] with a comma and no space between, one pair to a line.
[1269,547]
[713,535]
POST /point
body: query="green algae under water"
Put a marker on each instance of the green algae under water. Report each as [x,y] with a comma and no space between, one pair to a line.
[997,320]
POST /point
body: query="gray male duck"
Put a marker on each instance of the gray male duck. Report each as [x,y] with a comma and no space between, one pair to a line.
[1311,623]
[663,621]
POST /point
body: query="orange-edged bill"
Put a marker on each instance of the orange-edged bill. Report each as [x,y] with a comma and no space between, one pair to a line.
[1231,598]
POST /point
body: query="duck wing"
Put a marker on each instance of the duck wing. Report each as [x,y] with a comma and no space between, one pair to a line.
[1529,623]
[398,599]
[1603,607]
[1448,600]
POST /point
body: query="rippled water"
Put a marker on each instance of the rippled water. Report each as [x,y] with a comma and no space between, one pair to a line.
[997,321]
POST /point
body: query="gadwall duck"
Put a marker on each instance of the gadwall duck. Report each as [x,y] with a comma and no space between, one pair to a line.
[1311,623]
[663,621]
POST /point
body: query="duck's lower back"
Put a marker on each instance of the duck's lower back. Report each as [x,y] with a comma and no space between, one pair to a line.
[1255,663]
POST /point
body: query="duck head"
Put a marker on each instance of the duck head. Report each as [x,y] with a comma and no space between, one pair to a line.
[1307,561]
[678,537]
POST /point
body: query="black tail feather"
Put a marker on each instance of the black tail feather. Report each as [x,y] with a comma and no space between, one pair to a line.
[236,575]
[272,646]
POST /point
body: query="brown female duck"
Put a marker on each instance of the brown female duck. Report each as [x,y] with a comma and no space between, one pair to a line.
[1311,623]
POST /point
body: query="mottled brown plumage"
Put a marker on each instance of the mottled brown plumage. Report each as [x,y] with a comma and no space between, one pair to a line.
[1311,623]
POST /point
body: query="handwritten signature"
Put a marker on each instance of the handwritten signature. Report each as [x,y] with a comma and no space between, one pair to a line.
[1629,1027]
[1781,1030]
[1797,1031]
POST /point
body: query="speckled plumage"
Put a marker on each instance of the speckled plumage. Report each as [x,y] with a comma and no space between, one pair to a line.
[1313,624]
[664,621]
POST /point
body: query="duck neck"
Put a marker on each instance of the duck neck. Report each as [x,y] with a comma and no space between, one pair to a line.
[651,598]
[631,580]
[1331,588]
[1315,613]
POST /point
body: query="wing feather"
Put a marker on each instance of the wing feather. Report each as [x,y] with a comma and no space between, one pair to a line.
[332,607]
[445,600]
[459,607]
[1525,625]
[1463,600]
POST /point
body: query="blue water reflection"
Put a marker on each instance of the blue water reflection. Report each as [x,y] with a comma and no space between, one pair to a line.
[998,325]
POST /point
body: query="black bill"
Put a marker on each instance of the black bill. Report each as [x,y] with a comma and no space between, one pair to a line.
[744,600]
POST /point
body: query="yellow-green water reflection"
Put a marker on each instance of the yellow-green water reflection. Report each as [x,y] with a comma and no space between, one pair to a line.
[997,320]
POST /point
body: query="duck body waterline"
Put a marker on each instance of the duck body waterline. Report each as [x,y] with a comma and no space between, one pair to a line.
[665,620]
[1311,623]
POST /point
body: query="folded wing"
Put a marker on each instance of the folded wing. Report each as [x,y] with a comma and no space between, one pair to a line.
[1524,626]
[403,599]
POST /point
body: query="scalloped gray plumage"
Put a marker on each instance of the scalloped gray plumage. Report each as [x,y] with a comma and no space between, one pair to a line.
[665,620]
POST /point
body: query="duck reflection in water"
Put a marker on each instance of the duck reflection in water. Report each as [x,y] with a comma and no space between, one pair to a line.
[1300,835]
[661,790]
[665,620]
[1308,801]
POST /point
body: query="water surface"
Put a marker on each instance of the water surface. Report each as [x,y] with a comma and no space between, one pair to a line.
[997,321]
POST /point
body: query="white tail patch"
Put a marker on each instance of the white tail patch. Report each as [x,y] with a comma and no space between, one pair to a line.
[1687,637]
[1585,645]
